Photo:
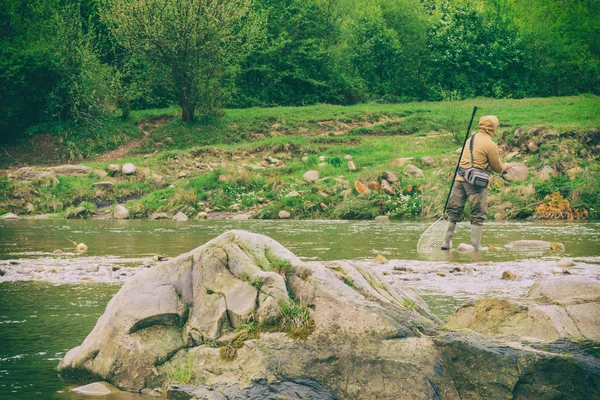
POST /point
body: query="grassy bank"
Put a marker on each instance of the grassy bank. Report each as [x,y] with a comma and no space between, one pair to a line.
[252,162]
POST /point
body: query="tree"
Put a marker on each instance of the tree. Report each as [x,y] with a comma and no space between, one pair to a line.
[197,41]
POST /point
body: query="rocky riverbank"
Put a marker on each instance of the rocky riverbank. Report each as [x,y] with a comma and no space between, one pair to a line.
[243,316]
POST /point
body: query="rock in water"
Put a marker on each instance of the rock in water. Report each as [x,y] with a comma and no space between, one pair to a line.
[95,389]
[180,217]
[526,244]
[120,212]
[10,217]
[465,248]
[81,248]
[355,328]
[283,214]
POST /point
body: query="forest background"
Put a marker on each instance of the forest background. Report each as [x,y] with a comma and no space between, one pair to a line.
[66,64]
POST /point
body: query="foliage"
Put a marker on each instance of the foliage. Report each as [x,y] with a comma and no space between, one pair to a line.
[557,207]
[181,374]
[196,41]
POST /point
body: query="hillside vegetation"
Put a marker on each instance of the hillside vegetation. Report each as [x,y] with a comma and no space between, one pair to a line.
[251,162]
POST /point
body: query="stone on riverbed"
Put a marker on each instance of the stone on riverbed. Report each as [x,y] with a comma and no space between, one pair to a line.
[96,389]
[10,217]
[570,308]
[120,212]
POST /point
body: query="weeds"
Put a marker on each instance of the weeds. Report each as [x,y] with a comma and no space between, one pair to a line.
[181,374]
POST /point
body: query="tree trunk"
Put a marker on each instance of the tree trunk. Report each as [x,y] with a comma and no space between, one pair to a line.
[187,109]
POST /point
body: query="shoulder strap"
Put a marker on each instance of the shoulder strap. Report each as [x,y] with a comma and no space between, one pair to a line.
[471,149]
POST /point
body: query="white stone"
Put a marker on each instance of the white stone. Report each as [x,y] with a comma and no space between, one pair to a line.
[180,217]
[120,212]
[283,214]
[129,169]
[311,176]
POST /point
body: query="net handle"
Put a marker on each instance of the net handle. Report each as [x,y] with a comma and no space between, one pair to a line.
[459,158]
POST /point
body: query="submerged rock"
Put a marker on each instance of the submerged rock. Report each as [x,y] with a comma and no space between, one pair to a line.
[96,389]
[528,244]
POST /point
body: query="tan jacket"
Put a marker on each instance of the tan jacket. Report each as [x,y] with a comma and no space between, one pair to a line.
[485,151]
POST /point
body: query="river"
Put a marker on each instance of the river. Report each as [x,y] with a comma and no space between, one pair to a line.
[42,317]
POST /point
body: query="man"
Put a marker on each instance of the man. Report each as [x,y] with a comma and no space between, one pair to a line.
[485,156]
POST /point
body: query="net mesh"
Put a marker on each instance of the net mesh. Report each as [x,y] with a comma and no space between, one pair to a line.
[433,237]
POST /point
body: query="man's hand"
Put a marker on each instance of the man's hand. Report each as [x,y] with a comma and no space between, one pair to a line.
[506,167]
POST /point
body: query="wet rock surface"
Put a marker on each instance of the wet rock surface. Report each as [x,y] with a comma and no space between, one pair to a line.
[370,330]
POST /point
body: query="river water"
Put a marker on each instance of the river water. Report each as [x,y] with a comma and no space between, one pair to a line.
[44,313]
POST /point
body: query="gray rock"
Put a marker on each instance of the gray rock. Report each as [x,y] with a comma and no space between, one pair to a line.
[96,389]
[28,174]
[509,276]
[532,147]
[382,218]
[528,244]
[104,184]
[413,171]
[129,169]
[71,170]
[565,262]
[120,212]
[311,176]
[518,172]
[351,166]
[546,172]
[283,214]
[159,180]
[180,217]
[10,217]
[463,247]
[390,177]
[429,161]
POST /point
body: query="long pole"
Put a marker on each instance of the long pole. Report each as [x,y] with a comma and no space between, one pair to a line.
[459,158]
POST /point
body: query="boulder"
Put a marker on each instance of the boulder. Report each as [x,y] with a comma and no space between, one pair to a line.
[386,187]
[362,338]
[518,172]
[556,308]
[379,259]
[71,170]
[96,389]
[532,147]
[129,169]
[10,217]
[311,176]
[180,217]
[382,218]
[120,212]
[283,214]
[509,276]
[546,172]
[429,161]
[413,171]
[390,177]
[28,174]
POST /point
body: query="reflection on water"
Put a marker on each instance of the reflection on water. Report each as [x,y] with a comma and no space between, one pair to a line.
[40,322]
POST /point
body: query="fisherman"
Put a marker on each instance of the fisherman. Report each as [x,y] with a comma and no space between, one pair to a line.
[485,156]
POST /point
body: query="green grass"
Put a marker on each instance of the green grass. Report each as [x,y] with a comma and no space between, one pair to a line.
[373,134]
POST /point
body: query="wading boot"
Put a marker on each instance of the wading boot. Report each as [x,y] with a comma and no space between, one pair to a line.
[447,245]
[476,231]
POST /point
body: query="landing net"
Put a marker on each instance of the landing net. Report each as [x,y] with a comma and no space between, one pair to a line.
[433,237]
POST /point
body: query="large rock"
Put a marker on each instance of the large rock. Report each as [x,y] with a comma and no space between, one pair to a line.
[71,170]
[129,169]
[180,217]
[546,172]
[365,339]
[120,212]
[311,176]
[557,308]
[518,172]
[413,171]
[10,217]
